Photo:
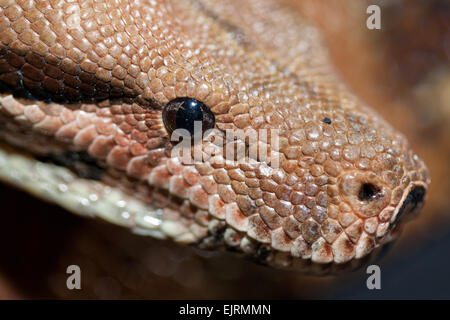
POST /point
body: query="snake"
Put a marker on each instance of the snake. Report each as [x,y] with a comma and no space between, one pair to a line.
[94,94]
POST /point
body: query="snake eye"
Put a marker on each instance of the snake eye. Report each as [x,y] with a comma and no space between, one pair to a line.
[182,113]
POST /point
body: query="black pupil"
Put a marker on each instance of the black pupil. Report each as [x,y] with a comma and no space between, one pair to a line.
[182,113]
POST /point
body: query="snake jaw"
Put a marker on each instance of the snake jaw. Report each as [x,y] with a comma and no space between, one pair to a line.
[411,204]
[408,209]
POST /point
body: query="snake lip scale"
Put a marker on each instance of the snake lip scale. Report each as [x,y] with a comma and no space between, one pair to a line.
[91,92]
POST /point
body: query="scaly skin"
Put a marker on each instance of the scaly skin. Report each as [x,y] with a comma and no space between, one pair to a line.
[92,77]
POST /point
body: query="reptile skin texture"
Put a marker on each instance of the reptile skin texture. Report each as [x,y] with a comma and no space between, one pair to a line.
[93,77]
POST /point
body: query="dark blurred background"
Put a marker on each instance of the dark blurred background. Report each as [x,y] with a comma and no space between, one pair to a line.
[402,70]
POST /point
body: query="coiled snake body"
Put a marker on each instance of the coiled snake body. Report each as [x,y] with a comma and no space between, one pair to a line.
[92,90]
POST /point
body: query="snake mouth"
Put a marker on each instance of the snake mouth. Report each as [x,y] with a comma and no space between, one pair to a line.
[410,206]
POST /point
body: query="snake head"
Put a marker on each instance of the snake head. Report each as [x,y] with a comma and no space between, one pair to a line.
[333,179]
[336,182]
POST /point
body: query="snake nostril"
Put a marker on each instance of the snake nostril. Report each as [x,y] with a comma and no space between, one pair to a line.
[367,192]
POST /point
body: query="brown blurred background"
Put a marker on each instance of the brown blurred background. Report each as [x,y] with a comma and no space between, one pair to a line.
[402,70]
